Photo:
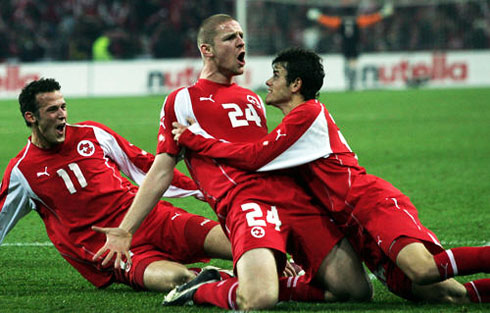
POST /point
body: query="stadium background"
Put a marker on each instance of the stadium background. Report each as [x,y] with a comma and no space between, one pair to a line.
[66,30]
[432,143]
[91,46]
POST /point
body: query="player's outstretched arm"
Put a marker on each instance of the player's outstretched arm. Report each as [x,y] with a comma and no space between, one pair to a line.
[288,145]
[156,182]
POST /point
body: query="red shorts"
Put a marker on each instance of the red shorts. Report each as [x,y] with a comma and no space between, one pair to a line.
[167,233]
[273,212]
[387,219]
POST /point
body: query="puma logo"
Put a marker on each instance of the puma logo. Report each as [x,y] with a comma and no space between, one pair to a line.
[445,267]
[39,174]
[279,134]
[210,98]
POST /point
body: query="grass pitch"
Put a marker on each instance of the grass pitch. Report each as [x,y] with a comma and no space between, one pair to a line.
[432,144]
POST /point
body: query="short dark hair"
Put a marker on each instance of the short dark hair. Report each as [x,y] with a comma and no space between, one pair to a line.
[27,97]
[303,64]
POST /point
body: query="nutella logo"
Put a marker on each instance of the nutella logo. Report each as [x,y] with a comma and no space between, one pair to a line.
[13,80]
[171,80]
[158,81]
[437,69]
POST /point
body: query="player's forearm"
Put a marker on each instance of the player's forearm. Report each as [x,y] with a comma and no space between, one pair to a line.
[151,190]
[243,156]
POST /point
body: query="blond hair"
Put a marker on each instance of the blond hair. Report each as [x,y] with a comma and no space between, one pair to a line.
[209,28]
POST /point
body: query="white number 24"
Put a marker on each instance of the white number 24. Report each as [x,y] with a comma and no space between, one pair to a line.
[239,118]
[255,216]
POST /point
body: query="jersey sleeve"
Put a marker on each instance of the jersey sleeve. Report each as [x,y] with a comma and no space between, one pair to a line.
[183,186]
[15,202]
[135,162]
[131,160]
[298,139]
[166,144]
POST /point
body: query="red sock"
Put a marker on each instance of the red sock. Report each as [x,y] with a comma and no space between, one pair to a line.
[295,289]
[463,261]
[479,290]
[221,294]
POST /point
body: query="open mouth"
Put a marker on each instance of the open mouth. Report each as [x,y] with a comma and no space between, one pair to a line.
[241,58]
[60,128]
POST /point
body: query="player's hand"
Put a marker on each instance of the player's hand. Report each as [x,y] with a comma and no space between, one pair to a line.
[313,14]
[292,269]
[118,242]
[177,130]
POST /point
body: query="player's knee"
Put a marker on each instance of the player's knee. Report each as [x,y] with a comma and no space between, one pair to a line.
[359,291]
[164,281]
[420,275]
[363,291]
[178,278]
[256,301]
[418,264]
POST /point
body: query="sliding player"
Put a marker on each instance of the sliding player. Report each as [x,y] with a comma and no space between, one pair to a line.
[70,175]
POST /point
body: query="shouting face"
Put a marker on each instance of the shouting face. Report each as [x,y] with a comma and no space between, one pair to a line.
[49,124]
[229,49]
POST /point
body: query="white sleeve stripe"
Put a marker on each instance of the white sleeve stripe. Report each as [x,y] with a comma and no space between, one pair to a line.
[312,145]
[176,192]
[112,148]
[183,107]
[18,202]
[197,130]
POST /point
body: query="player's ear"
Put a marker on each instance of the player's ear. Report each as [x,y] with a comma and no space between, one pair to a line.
[296,85]
[30,117]
[206,50]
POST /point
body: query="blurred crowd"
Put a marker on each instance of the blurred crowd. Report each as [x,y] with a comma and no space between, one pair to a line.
[34,30]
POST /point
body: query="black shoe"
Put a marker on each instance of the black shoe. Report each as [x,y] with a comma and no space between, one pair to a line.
[183,294]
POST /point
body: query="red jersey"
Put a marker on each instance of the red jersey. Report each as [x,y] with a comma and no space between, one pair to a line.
[309,138]
[226,111]
[78,184]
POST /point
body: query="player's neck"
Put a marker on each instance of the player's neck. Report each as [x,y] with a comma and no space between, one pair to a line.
[291,105]
[216,76]
[39,141]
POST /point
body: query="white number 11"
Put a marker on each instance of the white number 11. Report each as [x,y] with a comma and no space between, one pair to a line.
[66,178]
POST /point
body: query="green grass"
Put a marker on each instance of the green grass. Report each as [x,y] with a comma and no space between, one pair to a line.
[432,144]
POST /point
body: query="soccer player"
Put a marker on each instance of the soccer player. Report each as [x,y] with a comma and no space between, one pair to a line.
[70,174]
[381,221]
[349,28]
[264,215]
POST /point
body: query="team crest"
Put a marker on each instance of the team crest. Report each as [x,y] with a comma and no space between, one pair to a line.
[254,101]
[85,148]
[257,232]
